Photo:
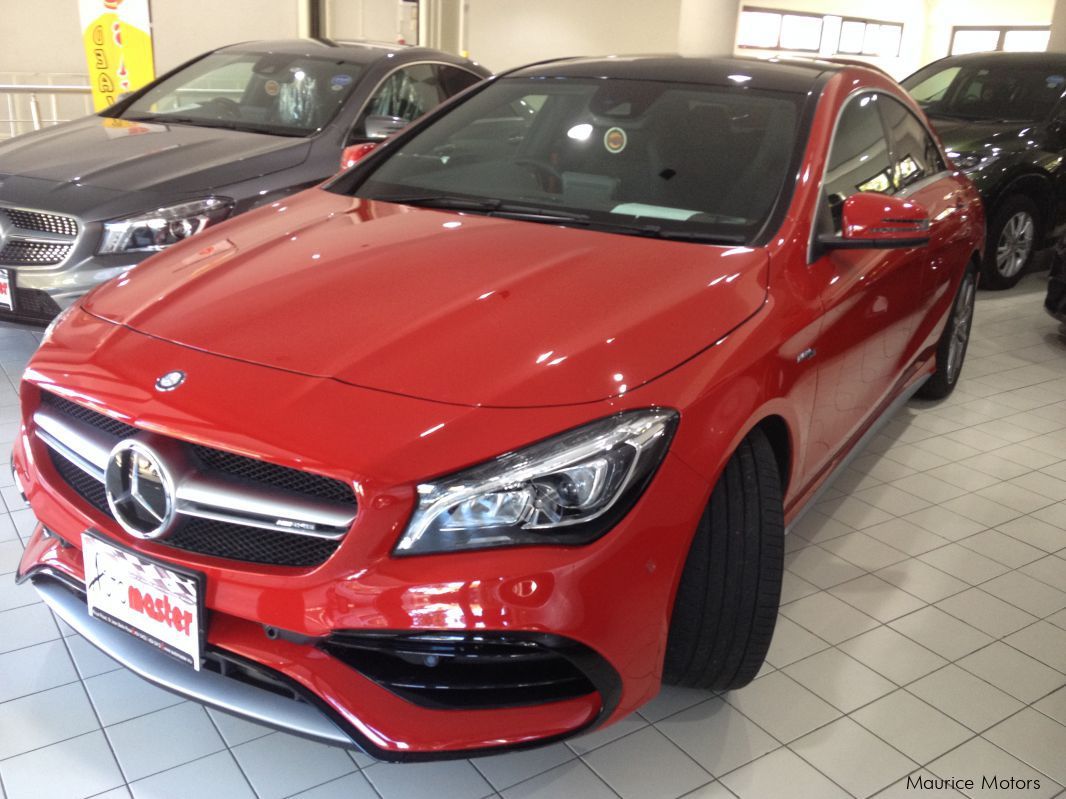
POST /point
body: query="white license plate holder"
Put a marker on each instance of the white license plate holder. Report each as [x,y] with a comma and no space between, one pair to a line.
[160,604]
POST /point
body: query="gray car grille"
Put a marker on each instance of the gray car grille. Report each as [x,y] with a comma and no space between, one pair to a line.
[232,506]
[33,253]
[42,222]
[35,238]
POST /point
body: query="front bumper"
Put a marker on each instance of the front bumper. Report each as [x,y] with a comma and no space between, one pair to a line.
[40,293]
[611,598]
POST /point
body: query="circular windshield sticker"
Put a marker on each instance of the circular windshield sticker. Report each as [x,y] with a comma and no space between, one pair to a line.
[272,87]
[339,82]
[615,140]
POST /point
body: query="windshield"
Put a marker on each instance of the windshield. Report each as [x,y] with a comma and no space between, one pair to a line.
[652,158]
[1009,93]
[259,92]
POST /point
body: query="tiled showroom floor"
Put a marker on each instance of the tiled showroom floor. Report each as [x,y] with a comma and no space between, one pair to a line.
[923,630]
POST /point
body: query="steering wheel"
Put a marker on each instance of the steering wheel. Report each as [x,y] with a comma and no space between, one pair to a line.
[548,176]
[224,107]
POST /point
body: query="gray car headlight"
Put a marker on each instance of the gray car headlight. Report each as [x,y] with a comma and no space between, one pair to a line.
[162,227]
[569,489]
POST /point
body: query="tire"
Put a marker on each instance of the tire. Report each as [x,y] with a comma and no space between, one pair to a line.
[951,349]
[1013,234]
[730,590]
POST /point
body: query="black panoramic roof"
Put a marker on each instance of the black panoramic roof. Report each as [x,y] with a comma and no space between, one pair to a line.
[792,75]
[356,52]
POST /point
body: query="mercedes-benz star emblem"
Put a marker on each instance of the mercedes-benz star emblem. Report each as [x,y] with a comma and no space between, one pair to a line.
[170,381]
[140,491]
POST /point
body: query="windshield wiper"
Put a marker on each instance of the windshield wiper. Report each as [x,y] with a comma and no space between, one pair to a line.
[488,207]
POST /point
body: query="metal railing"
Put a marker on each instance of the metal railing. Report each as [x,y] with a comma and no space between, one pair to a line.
[32,106]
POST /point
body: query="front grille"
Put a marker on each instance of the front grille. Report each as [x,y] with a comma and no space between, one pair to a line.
[250,544]
[244,468]
[42,222]
[84,485]
[464,670]
[34,305]
[217,538]
[80,413]
[33,253]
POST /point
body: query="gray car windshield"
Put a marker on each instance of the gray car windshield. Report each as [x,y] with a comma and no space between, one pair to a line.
[259,92]
[975,92]
[685,161]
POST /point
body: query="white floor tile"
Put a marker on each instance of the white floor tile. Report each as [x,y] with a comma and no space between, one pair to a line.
[279,765]
[623,765]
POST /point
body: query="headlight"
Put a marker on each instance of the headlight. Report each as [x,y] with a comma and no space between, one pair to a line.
[965,161]
[48,331]
[164,226]
[569,489]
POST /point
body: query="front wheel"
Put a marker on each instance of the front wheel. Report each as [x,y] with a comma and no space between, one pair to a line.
[730,589]
[951,349]
[1012,240]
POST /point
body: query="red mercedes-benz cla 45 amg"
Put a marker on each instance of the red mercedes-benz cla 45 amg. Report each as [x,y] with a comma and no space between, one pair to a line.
[475,446]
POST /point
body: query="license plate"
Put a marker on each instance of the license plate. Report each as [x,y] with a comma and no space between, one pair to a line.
[158,604]
[6,291]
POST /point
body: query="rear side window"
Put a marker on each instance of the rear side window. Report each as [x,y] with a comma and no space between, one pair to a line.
[859,158]
[453,79]
[914,153]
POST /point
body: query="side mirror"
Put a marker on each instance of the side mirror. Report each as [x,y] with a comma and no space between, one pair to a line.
[879,222]
[381,127]
[353,154]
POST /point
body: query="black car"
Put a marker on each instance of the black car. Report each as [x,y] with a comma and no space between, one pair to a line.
[230,130]
[1055,301]
[1002,118]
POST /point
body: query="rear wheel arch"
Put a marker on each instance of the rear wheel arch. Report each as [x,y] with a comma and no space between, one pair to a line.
[779,435]
[1037,186]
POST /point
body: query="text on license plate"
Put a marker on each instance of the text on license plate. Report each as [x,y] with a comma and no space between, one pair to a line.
[158,605]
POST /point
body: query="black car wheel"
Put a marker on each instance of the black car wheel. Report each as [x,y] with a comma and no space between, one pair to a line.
[951,349]
[727,601]
[1012,238]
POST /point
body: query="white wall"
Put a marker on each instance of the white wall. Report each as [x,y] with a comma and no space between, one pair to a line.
[507,33]
[41,36]
[376,20]
[182,29]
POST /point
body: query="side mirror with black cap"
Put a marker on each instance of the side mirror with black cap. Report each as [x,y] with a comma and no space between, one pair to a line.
[871,221]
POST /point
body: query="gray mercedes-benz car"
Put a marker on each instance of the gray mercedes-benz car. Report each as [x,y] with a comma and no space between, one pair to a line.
[232,129]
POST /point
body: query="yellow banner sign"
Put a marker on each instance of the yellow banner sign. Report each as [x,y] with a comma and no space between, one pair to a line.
[118,46]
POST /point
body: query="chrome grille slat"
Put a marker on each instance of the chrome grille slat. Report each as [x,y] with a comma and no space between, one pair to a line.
[68,430]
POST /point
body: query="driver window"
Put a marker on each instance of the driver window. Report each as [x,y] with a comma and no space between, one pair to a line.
[406,94]
[859,157]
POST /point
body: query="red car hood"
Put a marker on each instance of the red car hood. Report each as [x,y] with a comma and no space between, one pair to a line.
[448,307]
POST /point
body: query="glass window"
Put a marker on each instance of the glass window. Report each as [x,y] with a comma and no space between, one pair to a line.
[454,79]
[262,92]
[915,155]
[974,41]
[852,36]
[629,155]
[1023,41]
[801,32]
[826,34]
[859,158]
[933,87]
[974,92]
[760,29]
